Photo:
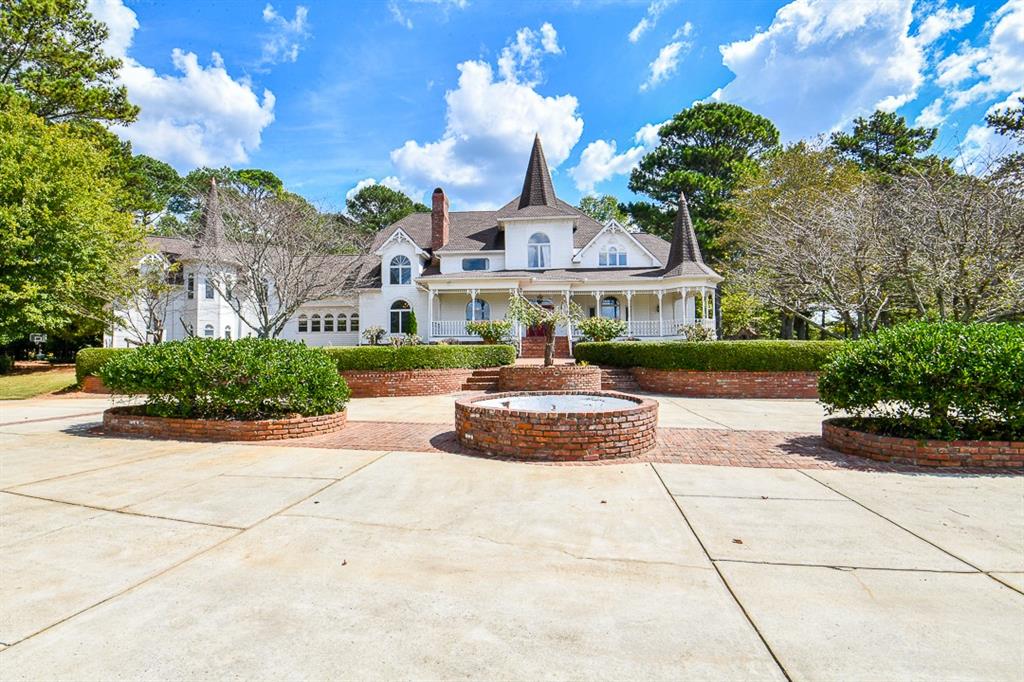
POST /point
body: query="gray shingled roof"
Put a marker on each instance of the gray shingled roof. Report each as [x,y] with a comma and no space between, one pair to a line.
[538,190]
[684,238]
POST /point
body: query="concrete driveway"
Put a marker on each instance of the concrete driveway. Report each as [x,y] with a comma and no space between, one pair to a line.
[136,559]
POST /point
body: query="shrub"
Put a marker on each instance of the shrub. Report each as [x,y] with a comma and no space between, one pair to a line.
[414,326]
[384,358]
[406,340]
[695,332]
[219,379]
[932,380]
[6,364]
[763,356]
[491,331]
[88,361]
[374,335]
[601,328]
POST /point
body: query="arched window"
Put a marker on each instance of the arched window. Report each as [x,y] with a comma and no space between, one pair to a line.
[303,323]
[314,323]
[610,307]
[342,322]
[478,310]
[227,331]
[401,270]
[353,322]
[611,257]
[538,251]
[400,317]
[328,322]
[208,331]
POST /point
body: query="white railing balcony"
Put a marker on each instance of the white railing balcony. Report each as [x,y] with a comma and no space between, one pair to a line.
[448,328]
[644,328]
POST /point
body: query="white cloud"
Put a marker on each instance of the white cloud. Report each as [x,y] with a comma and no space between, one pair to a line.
[520,59]
[197,116]
[650,19]
[482,154]
[285,40]
[684,31]
[600,160]
[942,21]
[820,63]
[931,116]
[665,64]
[982,145]
[399,16]
[996,68]
[390,181]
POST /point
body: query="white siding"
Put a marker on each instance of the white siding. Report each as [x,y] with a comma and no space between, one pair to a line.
[517,234]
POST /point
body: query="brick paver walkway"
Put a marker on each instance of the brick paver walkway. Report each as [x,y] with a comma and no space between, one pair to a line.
[773,449]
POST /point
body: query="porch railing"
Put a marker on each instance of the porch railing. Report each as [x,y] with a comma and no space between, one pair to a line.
[445,328]
[441,329]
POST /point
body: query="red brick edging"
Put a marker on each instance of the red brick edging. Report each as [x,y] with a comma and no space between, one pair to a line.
[382,384]
[557,436]
[927,453]
[733,384]
[93,384]
[554,378]
[126,420]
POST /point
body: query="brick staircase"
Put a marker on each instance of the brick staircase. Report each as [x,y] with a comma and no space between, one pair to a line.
[482,380]
[618,379]
[533,347]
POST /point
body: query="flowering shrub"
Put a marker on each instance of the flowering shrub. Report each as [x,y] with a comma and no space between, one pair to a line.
[491,331]
[696,332]
[374,335]
[601,328]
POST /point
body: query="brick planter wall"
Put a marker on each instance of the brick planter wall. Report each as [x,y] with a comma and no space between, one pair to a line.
[702,384]
[375,384]
[929,453]
[126,420]
[554,378]
[93,384]
[562,436]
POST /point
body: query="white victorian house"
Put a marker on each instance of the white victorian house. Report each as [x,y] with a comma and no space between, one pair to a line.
[451,267]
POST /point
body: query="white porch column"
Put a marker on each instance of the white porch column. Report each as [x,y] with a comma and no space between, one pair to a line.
[472,303]
[703,305]
[661,317]
[685,293]
[568,321]
[598,295]
[430,313]
[629,312]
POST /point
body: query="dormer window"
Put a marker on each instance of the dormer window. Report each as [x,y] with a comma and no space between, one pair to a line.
[612,257]
[401,270]
[538,251]
[472,264]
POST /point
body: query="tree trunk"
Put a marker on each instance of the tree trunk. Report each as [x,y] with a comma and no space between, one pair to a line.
[787,327]
[549,345]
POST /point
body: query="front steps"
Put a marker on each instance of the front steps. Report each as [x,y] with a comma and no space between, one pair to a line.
[533,347]
[482,380]
[618,379]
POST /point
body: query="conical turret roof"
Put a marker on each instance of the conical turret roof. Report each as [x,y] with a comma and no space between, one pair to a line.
[211,225]
[684,247]
[537,187]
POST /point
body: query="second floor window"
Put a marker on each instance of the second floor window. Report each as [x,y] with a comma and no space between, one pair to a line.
[471,264]
[401,270]
[209,288]
[191,286]
[612,257]
[538,251]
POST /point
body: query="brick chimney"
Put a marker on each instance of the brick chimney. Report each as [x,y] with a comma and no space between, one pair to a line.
[438,220]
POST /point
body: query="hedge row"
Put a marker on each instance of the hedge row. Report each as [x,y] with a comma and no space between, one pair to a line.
[89,360]
[378,358]
[752,356]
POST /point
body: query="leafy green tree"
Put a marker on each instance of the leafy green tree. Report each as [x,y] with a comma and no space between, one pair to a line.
[703,152]
[603,208]
[61,236]
[150,184]
[375,207]
[886,144]
[51,53]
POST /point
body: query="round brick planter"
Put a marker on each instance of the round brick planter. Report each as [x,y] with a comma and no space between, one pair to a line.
[557,436]
[928,453]
[738,384]
[554,378]
[128,421]
[379,384]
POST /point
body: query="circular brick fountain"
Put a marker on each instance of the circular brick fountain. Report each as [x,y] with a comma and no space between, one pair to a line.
[557,425]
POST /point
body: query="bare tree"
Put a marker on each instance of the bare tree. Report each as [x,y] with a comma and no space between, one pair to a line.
[268,253]
[147,295]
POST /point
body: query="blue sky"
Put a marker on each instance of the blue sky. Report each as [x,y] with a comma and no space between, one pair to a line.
[433,92]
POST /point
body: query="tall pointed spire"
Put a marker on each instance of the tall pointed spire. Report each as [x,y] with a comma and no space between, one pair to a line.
[211,226]
[537,187]
[684,239]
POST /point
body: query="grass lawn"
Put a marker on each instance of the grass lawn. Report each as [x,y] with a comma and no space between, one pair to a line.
[29,384]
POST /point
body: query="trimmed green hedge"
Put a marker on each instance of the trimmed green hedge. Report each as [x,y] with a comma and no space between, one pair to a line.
[752,356]
[89,360]
[220,379]
[378,358]
[932,380]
